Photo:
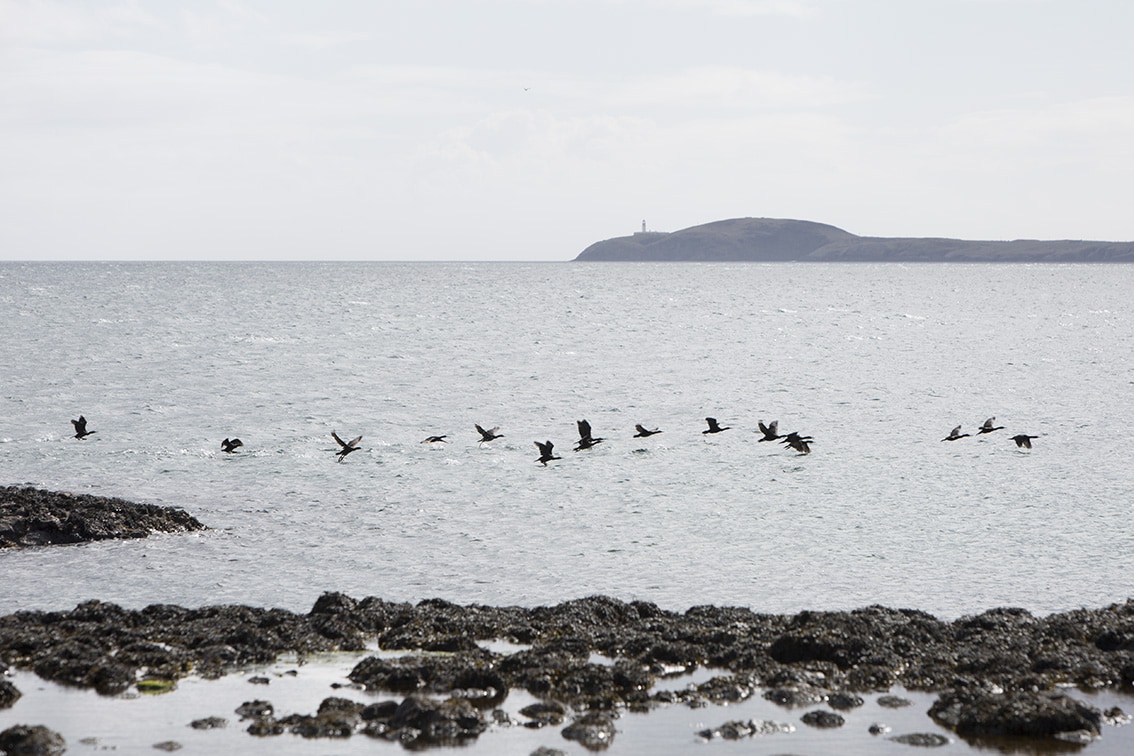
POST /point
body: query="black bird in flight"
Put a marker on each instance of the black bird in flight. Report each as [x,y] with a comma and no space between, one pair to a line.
[1023,441]
[713,426]
[801,444]
[770,431]
[545,454]
[642,432]
[435,440]
[955,434]
[81,427]
[988,427]
[229,445]
[488,435]
[345,447]
[586,441]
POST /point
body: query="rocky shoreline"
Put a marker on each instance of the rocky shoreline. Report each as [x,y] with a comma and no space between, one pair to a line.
[34,517]
[1002,673]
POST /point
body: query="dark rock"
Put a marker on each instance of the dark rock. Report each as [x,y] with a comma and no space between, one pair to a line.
[545,713]
[257,708]
[594,730]
[922,739]
[9,694]
[382,710]
[32,517]
[878,728]
[437,722]
[265,727]
[823,718]
[168,745]
[844,701]
[976,712]
[33,740]
[894,702]
[209,723]
[545,751]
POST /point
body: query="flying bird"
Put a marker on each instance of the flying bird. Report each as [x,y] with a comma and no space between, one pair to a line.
[345,447]
[955,434]
[642,432]
[229,445]
[988,427]
[435,440]
[770,431]
[586,440]
[545,454]
[1023,441]
[81,427]
[801,444]
[488,435]
[713,426]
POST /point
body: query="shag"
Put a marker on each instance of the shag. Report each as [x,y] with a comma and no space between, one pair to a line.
[586,440]
[229,445]
[770,430]
[488,435]
[955,434]
[1023,441]
[81,427]
[642,432]
[346,447]
[801,444]
[713,427]
[435,440]
[988,427]
[545,454]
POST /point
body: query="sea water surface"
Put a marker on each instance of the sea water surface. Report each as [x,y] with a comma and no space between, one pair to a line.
[876,362]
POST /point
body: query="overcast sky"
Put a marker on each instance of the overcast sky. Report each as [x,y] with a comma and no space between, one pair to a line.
[528,129]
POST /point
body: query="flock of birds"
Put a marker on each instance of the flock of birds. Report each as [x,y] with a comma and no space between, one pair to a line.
[770,432]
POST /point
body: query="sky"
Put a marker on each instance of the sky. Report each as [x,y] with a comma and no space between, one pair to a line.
[529,129]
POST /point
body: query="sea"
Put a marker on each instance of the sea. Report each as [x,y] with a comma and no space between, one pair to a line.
[876,362]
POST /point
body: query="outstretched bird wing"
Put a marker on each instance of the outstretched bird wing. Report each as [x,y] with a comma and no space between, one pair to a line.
[584,429]
[345,444]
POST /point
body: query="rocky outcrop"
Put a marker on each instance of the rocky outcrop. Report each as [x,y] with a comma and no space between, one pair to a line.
[1004,672]
[782,240]
[33,517]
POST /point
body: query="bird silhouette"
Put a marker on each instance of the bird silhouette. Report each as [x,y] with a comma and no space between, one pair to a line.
[345,447]
[229,445]
[545,454]
[586,440]
[488,435]
[643,432]
[988,427]
[770,430]
[1023,441]
[955,434]
[435,440]
[81,427]
[713,426]
[801,444]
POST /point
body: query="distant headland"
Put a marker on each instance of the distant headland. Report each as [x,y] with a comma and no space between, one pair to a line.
[782,240]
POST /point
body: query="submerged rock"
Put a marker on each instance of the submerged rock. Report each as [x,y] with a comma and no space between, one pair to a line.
[34,740]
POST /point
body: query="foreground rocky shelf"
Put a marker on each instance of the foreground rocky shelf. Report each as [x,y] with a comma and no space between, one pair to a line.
[1001,673]
[33,517]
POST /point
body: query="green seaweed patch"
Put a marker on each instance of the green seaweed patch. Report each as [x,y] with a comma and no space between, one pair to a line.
[156,685]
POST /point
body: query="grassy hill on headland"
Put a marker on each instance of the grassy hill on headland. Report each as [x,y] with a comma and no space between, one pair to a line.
[780,240]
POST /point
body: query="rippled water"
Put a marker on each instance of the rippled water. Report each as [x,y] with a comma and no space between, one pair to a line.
[877,362]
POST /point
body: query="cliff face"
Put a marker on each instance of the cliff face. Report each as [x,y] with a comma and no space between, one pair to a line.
[779,240]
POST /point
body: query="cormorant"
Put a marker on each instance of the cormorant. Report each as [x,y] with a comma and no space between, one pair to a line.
[770,430]
[1023,441]
[642,432]
[346,447]
[81,427]
[488,435]
[713,427]
[545,454]
[955,434]
[435,440]
[586,441]
[801,444]
[987,427]
[229,445]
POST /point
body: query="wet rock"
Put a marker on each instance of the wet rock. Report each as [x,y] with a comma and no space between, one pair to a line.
[257,708]
[894,702]
[9,694]
[736,730]
[544,713]
[33,517]
[1036,714]
[259,680]
[424,720]
[878,728]
[168,745]
[33,740]
[922,739]
[844,701]
[209,723]
[265,727]
[545,751]
[381,710]
[594,730]
[823,718]
[795,696]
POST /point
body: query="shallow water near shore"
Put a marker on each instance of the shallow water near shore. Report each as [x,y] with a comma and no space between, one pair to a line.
[134,723]
[876,362]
